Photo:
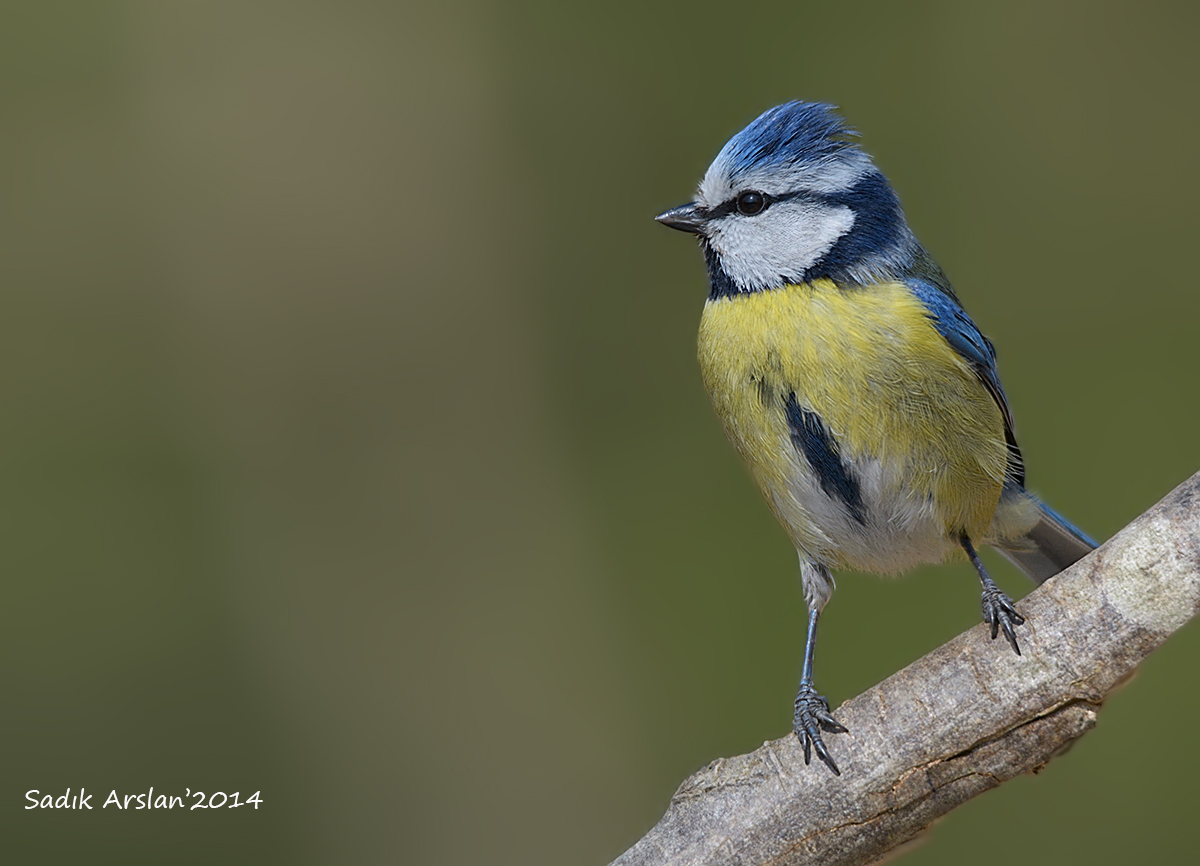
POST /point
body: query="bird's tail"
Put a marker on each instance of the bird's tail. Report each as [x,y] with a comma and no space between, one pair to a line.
[1050,546]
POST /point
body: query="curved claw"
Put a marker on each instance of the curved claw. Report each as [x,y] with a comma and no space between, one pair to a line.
[811,717]
[1001,615]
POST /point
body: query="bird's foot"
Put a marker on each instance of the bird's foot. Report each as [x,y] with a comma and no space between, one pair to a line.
[1001,615]
[812,716]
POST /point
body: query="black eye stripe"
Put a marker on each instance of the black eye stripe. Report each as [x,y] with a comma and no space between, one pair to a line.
[726,208]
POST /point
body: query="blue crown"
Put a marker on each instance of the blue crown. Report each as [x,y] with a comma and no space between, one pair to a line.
[786,135]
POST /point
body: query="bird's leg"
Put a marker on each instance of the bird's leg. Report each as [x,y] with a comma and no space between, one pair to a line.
[812,710]
[998,609]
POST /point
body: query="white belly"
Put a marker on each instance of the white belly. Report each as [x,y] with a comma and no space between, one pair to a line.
[901,529]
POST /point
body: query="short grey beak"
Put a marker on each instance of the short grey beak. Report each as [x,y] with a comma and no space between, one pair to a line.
[686,218]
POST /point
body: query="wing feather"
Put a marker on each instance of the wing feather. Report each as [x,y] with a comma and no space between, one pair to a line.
[953,323]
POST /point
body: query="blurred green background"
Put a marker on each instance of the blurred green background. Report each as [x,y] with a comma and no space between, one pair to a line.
[353,450]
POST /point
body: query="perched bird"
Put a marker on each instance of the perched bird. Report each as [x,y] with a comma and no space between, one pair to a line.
[864,400]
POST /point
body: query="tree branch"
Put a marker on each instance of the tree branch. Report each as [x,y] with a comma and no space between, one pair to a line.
[958,722]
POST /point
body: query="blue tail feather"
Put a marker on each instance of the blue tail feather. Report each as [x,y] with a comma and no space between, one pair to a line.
[1052,545]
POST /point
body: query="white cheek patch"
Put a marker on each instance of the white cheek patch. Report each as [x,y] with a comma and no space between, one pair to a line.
[782,243]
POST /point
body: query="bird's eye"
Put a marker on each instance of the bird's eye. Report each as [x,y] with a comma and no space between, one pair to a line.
[751,203]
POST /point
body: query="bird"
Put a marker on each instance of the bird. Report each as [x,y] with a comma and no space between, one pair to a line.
[846,373]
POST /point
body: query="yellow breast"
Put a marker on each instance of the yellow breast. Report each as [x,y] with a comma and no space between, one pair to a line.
[892,392]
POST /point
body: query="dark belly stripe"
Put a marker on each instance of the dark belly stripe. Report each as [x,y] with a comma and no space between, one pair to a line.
[813,440]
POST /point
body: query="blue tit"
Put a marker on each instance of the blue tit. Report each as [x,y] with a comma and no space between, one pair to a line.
[860,394]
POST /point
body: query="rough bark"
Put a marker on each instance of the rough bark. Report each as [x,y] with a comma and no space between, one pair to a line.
[958,722]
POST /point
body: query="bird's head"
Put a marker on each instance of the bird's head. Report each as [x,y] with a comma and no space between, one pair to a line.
[791,198]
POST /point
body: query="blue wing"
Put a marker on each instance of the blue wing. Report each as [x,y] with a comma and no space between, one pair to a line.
[960,332]
[1052,544]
